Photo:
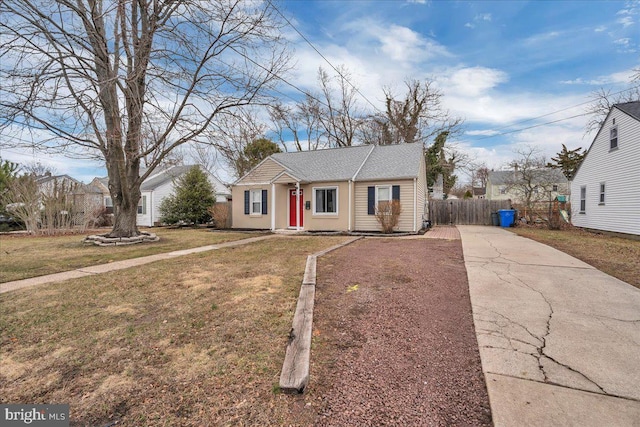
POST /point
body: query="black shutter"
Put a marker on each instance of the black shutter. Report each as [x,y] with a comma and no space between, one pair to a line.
[371,200]
[246,202]
[264,202]
[395,192]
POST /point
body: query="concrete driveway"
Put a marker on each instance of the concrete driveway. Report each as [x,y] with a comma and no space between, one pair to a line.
[559,340]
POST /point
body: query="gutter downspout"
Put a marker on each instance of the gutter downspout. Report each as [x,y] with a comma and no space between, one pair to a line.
[273,207]
[415,203]
[350,208]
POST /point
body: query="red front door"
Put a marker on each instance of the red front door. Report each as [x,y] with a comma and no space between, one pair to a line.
[293,219]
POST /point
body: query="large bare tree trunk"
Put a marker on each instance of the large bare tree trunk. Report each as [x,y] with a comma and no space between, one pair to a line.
[96,76]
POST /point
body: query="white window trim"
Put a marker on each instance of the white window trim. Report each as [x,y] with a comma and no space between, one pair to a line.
[315,212]
[602,195]
[251,202]
[378,187]
[142,204]
[580,210]
[617,138]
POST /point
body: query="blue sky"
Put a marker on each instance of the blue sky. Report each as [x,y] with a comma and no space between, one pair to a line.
[498,63]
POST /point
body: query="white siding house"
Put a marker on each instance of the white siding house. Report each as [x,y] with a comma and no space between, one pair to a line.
[160,185]
[606,186]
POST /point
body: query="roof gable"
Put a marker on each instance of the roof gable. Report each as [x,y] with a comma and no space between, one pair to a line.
[174,172]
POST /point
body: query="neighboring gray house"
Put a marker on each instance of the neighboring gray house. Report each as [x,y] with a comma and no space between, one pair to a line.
[606,186]
[333,189]
[502,185]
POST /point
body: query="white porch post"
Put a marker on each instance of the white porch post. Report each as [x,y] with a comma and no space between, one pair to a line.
[273,207]
[297,206]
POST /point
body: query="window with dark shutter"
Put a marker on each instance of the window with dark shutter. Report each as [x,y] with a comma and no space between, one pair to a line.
[371,200]
[395,191]
[264,202]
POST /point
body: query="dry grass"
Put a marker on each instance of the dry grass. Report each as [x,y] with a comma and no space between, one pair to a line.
[198,340]
[24,256]
[615,256]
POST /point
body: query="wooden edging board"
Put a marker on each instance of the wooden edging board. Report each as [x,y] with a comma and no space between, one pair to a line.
[295,369]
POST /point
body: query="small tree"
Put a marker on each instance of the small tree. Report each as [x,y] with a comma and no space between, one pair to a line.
[57,207]
[220,212]
[191,200]
[388,215]
[23,201]
[568,161]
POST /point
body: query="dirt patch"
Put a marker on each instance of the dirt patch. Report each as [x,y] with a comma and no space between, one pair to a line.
[393,339]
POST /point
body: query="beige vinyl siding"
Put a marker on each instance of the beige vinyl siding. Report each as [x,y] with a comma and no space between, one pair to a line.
[262,173]
[618,169]
[240,219]
[365,222]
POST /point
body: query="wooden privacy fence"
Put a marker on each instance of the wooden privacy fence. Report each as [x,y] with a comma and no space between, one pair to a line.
[465,212]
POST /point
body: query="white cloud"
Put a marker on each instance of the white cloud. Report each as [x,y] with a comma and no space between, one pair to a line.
[622,77]
[483,17]
[625,21]
[469,25]
[472,81]
[486,132]
[600,29]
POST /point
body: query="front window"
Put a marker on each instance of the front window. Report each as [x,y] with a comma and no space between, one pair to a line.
[503,190]
[555,187]
[256,202]
[583,199]
[383,197]
[613,138]
[142,205]
[326,200]
[602,188]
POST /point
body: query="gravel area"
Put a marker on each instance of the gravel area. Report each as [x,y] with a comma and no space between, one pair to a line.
[394,342]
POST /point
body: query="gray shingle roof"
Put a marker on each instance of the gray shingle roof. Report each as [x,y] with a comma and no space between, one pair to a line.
[631,108]
[507,177]
[164,176]
[392,162]
[341,164]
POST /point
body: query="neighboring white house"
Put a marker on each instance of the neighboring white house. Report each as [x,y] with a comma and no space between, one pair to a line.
[159,185]
[606,186]
[155,188]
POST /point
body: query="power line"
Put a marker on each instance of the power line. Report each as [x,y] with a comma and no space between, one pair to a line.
[552,113]
[322,56]
[531,127]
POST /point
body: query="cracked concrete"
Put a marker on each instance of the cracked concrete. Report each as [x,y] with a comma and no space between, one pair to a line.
[551,326]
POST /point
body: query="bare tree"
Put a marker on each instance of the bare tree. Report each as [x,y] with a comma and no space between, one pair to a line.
[233,133]
[298,124]
[532,182]
[603,100]
[417,117]
[93,74]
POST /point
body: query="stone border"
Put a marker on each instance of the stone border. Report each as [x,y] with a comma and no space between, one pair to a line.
[295,369]
[103,240]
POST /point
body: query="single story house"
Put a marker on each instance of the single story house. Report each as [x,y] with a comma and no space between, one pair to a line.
[606,185]
[333,189]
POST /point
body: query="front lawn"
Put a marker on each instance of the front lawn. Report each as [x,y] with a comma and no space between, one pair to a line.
[24,256]
[198,340]
[615,256]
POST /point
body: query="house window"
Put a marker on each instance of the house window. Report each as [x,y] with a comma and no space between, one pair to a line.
[583,199]
[256,202]
[142,205]
[555,187]
[325,200]
[602,188]
[383,194]
[108,205]
[613,138]
[503,190]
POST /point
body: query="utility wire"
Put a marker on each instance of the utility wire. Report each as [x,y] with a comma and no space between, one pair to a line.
[531,127]
[552,113]
[322,56]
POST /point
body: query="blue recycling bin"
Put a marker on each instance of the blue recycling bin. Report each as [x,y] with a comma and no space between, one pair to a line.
[506,217]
